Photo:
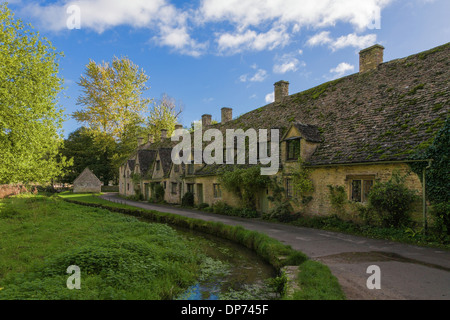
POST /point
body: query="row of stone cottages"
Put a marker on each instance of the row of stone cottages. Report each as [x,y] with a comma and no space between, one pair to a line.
[349,132]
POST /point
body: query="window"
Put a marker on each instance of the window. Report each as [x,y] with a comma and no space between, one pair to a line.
[217,191]
[128,186]
[173,189]
[293,149]
[158,165]
[289,192]
[190,168]
[360,188]
[176,167]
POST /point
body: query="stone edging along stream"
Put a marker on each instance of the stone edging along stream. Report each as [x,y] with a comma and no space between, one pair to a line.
[282,257]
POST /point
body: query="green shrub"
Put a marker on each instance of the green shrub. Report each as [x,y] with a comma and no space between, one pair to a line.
[392,201]
[282,212]
[221,207]
[202,206]
[441,213]
[187,200]
[158,193]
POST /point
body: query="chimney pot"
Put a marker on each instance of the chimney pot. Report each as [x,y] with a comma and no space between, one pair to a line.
[370,58]
[206,120]
[140,141]
[163,133]
[178,126]
[281,90]
[151,138]
[227,115]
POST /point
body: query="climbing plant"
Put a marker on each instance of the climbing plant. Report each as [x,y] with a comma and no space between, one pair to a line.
[437,175]
[245,183]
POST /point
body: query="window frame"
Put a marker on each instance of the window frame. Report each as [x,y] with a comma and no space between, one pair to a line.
[366,183]
[217,191]
[290,143]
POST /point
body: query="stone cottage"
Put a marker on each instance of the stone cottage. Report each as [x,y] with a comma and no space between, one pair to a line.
[348,132]
[87,181]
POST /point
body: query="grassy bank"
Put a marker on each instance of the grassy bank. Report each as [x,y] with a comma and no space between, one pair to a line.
[316,281]
[119,256]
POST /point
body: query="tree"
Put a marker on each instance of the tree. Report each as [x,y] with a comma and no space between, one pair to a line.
[112,97]
[30,120]
[90,150]
[164,115]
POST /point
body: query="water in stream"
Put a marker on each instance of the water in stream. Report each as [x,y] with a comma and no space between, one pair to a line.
[229,271]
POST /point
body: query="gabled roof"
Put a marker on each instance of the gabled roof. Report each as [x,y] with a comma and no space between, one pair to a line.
[308,132]
[146,159]
[88,176]
[165,154]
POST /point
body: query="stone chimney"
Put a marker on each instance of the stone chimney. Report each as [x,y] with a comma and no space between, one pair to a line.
[281,90]
[140,141]
[163,133]
[151,138]
[178,126]
[206,120]
[227,115]
[370,58]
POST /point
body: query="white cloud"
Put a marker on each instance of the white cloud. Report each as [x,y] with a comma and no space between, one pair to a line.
[259,76]
[342,69]
[243,25]
[319,39]
[350,40]
[299,13]
[251,40]
[270,97]
[287,63]
[353,40]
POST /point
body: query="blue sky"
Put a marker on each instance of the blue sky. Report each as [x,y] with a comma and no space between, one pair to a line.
[209,54]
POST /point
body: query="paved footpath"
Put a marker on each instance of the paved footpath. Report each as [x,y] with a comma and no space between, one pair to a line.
[407,272]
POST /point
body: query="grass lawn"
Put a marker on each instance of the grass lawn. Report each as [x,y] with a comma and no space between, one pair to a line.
[119,257]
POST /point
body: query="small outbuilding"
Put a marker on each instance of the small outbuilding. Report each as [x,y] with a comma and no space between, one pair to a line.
[87,181]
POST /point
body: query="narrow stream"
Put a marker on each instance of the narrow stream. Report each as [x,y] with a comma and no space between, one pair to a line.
[230,272]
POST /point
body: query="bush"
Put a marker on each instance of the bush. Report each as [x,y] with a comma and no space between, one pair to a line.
[158,193]
[202,206]
[187,200]
[392,201]
[221,207]
[441,213]
[283,212]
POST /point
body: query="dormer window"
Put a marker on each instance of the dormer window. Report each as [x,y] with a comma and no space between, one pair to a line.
[292,148]
[158,165]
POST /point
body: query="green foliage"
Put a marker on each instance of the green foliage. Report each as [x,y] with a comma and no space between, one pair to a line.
[90,150]
[221,207]
[119,256]
[282,212]
[441,213]
[245,183]
[301,181]
[30,120]
[438,175]
[338,198]
[112,96]
[187,200]
[392,201]
[158,192]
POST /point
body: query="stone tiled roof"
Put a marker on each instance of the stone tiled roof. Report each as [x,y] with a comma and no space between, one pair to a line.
[87,176]
[146,159]
[380,115]
[165,154]
[385,114]
[309,132]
